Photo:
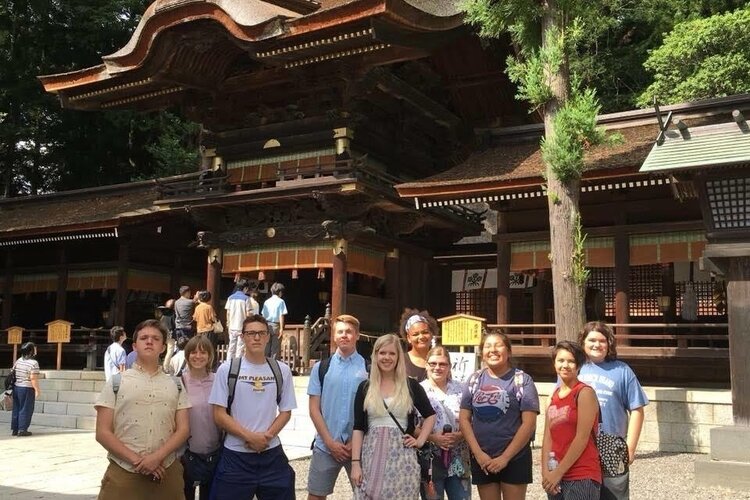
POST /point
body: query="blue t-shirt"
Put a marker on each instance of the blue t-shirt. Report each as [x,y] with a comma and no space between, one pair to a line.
[618,391]
[337,401]
[496,410]
[274,308]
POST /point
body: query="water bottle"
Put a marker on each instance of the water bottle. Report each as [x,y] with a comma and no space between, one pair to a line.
[446,454]
[552,463]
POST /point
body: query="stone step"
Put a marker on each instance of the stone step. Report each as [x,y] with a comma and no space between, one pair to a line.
[73,375]
[51,420]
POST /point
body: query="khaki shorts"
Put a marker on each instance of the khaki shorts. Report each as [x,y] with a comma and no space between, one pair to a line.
[118,484]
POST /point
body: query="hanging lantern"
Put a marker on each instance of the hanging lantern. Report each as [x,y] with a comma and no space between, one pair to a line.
[295,274]
[261,276]
[321,274]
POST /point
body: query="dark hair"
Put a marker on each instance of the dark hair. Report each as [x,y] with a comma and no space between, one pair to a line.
[573,348]
[502,336]
[28,349]
[254,318]
[241,285]
[116,332]
[150,323]
[277,288]
[200,343]
[204,295]
[604,329]
[428,319]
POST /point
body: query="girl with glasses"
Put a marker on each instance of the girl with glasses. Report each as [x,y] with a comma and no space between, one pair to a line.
[451,470]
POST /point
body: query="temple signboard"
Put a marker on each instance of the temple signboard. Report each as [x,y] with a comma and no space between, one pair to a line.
[461,330]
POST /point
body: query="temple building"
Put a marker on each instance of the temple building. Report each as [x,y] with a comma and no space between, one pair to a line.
[369,154]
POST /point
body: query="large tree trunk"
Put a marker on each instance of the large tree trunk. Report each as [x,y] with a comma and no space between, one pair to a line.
[562,200]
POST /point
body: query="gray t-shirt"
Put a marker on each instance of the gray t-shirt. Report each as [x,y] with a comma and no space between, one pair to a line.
[183,312]
[496,409]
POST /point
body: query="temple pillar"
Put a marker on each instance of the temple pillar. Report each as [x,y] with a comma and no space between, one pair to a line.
[392,289]
[503,272]
[62,285]
[8,290]
[729,462]
[338,283]
[213,275]
[622,281]
[121,294]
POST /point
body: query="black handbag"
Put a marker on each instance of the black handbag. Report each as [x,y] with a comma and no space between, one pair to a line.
[10,380]
[613,454]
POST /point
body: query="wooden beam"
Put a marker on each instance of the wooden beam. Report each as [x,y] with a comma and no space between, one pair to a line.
[738,311]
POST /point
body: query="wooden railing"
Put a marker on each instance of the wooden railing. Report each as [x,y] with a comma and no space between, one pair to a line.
[197,183]
[649,344]
[90,342]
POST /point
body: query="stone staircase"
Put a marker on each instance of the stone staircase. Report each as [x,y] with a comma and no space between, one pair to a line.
[67,399]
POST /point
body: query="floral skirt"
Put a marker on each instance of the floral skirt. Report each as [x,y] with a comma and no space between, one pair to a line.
[389,470]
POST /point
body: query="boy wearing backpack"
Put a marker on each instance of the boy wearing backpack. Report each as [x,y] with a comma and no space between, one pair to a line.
[141,420]
[332,387]
[253,398]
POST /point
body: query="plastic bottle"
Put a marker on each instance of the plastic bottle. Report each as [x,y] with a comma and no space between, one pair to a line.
[552,462]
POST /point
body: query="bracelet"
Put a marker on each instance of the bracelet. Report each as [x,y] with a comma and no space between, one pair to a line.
[355,460]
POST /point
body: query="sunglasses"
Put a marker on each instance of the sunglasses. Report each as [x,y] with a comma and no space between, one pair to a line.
[435,364]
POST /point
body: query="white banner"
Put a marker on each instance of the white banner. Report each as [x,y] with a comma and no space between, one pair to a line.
[463,364]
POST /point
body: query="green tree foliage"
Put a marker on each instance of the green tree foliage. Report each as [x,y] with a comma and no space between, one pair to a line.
[701,58]
[45,148]
[620,34]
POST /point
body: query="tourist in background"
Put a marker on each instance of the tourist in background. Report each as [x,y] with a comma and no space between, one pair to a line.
[621,398]
[419,328]
[25,390]
[274,310]
[204,443]
[384,460]
[570,459]
[165,315]
[239,306]
[498,418]
[183,313]
[451,469]
[115,357]
[205,317]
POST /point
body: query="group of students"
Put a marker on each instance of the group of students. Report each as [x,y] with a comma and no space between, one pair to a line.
[478,432]
[167,434]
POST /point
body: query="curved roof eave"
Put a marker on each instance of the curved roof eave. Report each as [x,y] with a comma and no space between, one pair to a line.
[246,21]
[251,20]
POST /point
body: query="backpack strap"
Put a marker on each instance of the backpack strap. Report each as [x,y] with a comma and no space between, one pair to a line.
[325,364]
[234,372]
[177,379]
[473,381]
[518,382]
[276,369]
[181,369]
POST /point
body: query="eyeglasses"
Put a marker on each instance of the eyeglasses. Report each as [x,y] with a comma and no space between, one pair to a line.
[435,364]
[255,333]
[423,333]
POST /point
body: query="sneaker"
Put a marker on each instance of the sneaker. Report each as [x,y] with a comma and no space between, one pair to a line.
[24,433]
[14,433]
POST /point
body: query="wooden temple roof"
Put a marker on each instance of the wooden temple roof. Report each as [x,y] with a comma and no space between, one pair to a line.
[513,162]
[82,210]
[212,46]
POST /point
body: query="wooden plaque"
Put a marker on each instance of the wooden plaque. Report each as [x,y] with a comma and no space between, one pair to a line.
[462,330]
[15,335]
[58,331]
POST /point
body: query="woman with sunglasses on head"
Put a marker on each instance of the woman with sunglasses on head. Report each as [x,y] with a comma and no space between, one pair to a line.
[384,460]
[570,461]
[498,418]
[451,469]
[204,443]
[419,329]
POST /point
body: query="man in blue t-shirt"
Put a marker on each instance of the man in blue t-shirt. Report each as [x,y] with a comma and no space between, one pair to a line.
[621,398]
[274,310]
[332,409]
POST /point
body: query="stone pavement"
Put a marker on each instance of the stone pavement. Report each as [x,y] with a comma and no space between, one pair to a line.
[68,464]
